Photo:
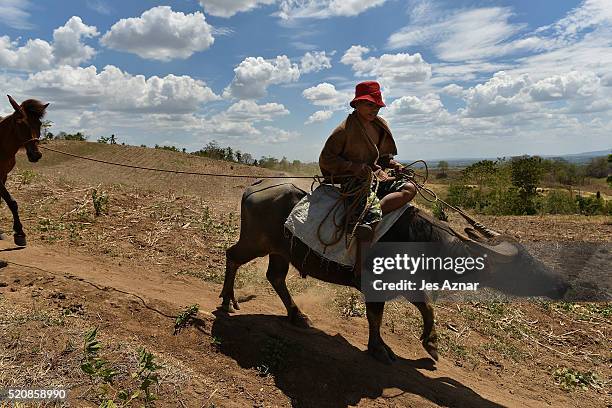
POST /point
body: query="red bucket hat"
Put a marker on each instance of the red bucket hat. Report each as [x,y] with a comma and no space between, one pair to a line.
[368,91]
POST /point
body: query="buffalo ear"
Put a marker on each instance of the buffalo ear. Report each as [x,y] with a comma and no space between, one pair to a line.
[16,106]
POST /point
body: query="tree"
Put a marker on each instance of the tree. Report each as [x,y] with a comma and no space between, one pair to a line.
[113,140]
[442,169]
[213,151]
[598,167]
[229,154]
[284,163]
[570,175]
[526,173]
[45,126]
[248,159]
[268,162]
[480,173]
[78,136]
[170,148]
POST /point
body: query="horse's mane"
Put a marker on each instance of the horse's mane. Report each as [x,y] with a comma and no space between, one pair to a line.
[34,108]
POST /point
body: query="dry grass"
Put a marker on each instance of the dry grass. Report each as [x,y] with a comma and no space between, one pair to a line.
[186,226]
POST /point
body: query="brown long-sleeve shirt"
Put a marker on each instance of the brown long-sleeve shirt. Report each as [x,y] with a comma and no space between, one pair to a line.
[349,147]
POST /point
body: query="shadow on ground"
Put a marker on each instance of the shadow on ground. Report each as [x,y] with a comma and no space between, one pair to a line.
[315,369]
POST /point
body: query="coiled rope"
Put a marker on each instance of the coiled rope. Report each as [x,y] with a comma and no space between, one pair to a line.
[352,196]
[357,190]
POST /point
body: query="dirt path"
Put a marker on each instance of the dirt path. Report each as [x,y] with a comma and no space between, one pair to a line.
[326,366]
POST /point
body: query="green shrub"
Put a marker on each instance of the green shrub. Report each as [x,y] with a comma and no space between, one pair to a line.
[558,202]
[79,136]
[569,379]
[461,195]
[27,176]
[506,202]
[100,202]
[438,212]
[183,318]
[592,205]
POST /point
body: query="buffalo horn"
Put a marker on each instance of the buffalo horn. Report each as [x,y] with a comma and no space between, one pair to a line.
[504,252]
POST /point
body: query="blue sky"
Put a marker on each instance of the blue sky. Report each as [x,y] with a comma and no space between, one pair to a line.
[274,77]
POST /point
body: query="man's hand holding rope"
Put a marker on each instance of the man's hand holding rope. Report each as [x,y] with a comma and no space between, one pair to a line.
[380,174]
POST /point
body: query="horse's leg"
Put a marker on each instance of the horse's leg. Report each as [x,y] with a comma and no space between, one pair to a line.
[429,337]
[277,275]
[19,237]
[376,346]
[235,256]
[3,178]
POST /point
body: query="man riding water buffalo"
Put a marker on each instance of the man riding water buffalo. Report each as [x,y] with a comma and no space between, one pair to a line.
[357,153]
[361,148]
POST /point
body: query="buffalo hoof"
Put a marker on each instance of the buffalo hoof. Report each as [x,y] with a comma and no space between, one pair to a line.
[20,240]
[431,346]
[299,319]
[382,353]
[227,307]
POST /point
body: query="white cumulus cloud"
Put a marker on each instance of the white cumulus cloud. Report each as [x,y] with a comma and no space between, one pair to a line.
[326,94]
[567,86]
[161,34]
[412,105]
[67,48]
[67,45]
[500,95]
[315,61]
[452,90]
[319,116]
[390,69]
[246,110]
[224,8]
[292,9]
[254,74]
[112,89]
[505,93]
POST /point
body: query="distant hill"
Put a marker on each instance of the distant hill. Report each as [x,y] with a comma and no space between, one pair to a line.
[579,158]
[582,157]
[79,171]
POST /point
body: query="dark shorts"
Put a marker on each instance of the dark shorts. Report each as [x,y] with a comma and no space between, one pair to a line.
[373,213]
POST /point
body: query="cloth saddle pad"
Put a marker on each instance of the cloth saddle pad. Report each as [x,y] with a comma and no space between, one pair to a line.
[308,213]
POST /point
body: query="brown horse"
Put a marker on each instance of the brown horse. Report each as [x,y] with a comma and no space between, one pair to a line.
[20,129]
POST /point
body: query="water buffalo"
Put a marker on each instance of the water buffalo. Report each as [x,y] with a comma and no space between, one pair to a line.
[266,205]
